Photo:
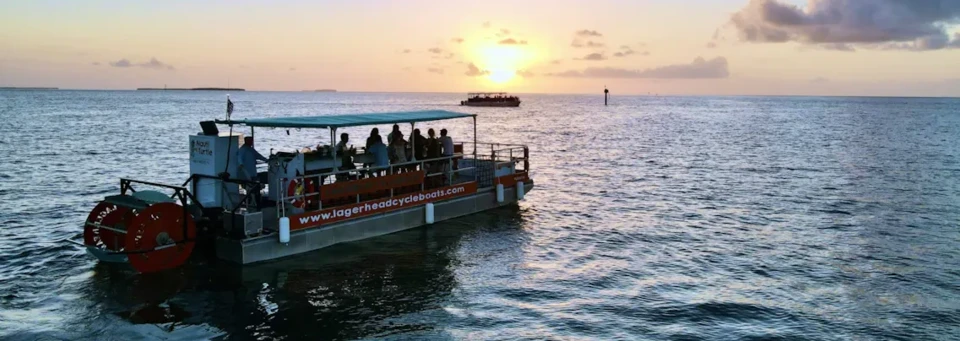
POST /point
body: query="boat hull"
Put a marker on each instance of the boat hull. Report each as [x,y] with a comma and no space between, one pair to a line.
[266,248]
[490,104]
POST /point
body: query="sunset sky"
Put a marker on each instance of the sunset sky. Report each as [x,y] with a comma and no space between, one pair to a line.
[820,47]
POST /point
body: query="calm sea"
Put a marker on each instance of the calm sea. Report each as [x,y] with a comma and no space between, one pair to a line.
[721,218]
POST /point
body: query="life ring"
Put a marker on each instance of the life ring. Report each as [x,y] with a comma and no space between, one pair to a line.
[296,189]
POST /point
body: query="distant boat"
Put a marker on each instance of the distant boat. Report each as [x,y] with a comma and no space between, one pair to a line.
[490,99]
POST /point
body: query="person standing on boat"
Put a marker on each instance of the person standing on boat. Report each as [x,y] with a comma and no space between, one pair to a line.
[247,157]
[394,132]
[446,146]
[433,149]
[346,157]
[446,142]
[398,149]
[379,151]
[370,139]
[419,145]
[374,133]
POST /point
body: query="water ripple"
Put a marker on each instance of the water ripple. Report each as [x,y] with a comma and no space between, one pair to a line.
[652,218]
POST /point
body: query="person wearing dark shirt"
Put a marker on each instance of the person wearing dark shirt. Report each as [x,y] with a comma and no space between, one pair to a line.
[346,156]
[433,149]
[370,139]
[419,145]
[433,145]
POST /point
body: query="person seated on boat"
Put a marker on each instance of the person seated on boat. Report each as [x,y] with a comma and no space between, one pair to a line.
[380,155]
[247,157]
[346,157]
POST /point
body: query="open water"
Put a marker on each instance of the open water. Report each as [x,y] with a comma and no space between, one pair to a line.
[654,218]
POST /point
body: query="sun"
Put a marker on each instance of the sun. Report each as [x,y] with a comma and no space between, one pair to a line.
[501,76]
[502,61]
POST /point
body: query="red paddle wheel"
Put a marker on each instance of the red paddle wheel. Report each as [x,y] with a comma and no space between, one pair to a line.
[153,235]
[98,231]
[149,228]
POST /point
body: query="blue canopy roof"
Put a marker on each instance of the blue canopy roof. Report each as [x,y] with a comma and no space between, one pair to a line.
[338,121]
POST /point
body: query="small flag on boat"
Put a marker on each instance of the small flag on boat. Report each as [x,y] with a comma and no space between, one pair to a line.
[229,107]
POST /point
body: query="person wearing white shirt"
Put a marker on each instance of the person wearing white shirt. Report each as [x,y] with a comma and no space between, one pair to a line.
[446,142]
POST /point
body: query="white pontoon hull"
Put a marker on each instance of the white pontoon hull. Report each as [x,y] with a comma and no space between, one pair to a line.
[265,248]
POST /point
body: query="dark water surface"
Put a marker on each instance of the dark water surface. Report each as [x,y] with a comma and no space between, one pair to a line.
[653,218]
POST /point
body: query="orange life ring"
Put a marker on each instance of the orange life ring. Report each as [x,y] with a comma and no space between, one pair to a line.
[296,189]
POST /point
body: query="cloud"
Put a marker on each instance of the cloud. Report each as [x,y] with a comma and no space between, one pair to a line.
[486,24]
[406,51]
[525,73]
[503,33]
[627,51]
[435,70]
[155,64]
[292,69]
[588,33]
[152,64]
[449,55]
[408,69]
[556,61]
[96,63]
[918,25]
[590,44]
[711,45]
[474,71]
[838,47]
[698,69]
[435,50]
[457,40]
[819,80]
[511,41]
[121,63]
[593,56]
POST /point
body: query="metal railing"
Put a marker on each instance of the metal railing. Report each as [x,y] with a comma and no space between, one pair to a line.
[442,167]
[506,152]
[483,168]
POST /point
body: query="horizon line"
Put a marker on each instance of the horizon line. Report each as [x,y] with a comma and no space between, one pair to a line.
[599,93]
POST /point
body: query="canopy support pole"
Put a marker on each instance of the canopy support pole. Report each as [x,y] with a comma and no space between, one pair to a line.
[413,143]
[475,139]
[333,147]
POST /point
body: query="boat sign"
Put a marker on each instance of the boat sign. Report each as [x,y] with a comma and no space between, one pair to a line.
[370,207]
